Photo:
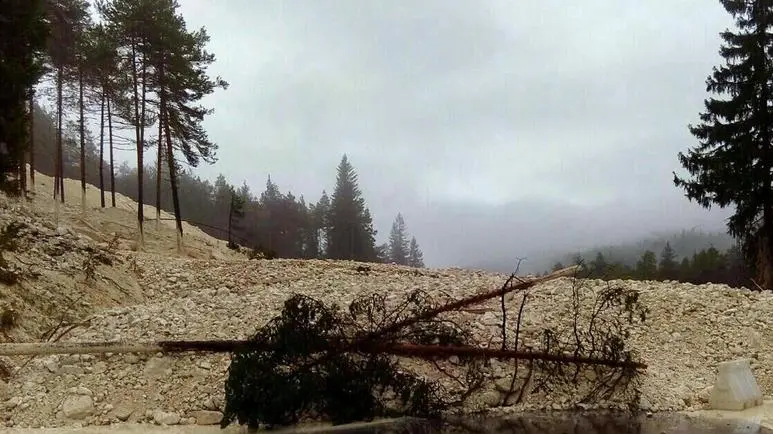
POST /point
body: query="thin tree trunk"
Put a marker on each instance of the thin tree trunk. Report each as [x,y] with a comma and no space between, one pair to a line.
[102,151]
[159,160]
[138,136]
[32,139]
[58,185]
[230,214]
[82,139]
[112,160]
[170,156]
[57,157]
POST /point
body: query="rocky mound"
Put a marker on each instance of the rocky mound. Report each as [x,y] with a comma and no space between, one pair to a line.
[689,330]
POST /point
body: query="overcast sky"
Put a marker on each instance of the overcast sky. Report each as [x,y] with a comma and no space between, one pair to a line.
[508,128]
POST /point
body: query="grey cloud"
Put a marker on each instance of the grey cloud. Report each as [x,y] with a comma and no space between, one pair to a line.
[486,116]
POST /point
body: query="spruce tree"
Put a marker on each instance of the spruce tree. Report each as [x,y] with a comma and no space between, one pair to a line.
[732,165]
[415,256]
[398,242]
[668,266]
[351,234]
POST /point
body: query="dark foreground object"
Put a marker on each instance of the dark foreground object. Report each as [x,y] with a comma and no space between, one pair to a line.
[570,424]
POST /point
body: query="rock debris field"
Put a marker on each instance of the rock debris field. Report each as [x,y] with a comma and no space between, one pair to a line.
[157,295]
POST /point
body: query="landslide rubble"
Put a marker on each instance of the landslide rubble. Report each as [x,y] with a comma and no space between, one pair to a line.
[688,331]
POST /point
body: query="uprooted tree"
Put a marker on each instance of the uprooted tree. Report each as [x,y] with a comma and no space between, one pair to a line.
[383,357]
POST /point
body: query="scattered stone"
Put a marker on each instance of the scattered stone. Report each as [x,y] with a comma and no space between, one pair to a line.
[13,402]
[157,367]
[52,365]
[123,412]
[166,418]
[207,417]
[78,407]
[71,369]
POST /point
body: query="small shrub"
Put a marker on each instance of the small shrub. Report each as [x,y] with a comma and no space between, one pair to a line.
[261,252]
[8,319]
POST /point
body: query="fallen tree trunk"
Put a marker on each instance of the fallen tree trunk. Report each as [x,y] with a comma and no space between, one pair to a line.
[220,346]
[230,346]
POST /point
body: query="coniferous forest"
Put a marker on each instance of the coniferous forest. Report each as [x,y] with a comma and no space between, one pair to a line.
[129,74]
[133,69]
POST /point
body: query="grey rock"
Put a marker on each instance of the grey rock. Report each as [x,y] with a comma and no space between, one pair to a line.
[71,369]
[122,412]
[52,365]
[13,402]
[78,407]
[207,417]
[491,398]
[166,418]
[158,367]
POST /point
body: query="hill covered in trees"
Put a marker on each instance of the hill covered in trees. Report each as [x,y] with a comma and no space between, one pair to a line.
[688,256]
[280,224]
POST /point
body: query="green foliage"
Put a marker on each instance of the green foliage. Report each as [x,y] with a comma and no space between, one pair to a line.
[23,33]
[300,371]
[350,234]
[705,266]
[8,319]
[647,266]
[668,267]
[398,242]
[731,165]
[415,256]
[8,243]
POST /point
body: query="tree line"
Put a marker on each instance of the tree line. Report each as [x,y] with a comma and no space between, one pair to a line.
[136,70]
[276,223]
[708,265]
[131,64]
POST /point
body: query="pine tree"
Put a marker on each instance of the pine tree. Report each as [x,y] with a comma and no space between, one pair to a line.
[733,163]
[350,234]
[668,266]
[398,242]
[23,33]
[64,17]
[415,256]
[181,63]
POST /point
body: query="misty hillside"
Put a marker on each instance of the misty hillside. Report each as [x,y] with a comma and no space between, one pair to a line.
[685,244]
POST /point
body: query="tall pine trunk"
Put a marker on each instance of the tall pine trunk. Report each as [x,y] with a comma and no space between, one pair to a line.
[138,137]
[170,154]
[230,219]
[32,139]
[82,139]
[102,150]
[112,159]
[159,160]
[58,175]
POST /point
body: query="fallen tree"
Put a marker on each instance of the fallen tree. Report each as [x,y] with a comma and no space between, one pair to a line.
[371,359]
